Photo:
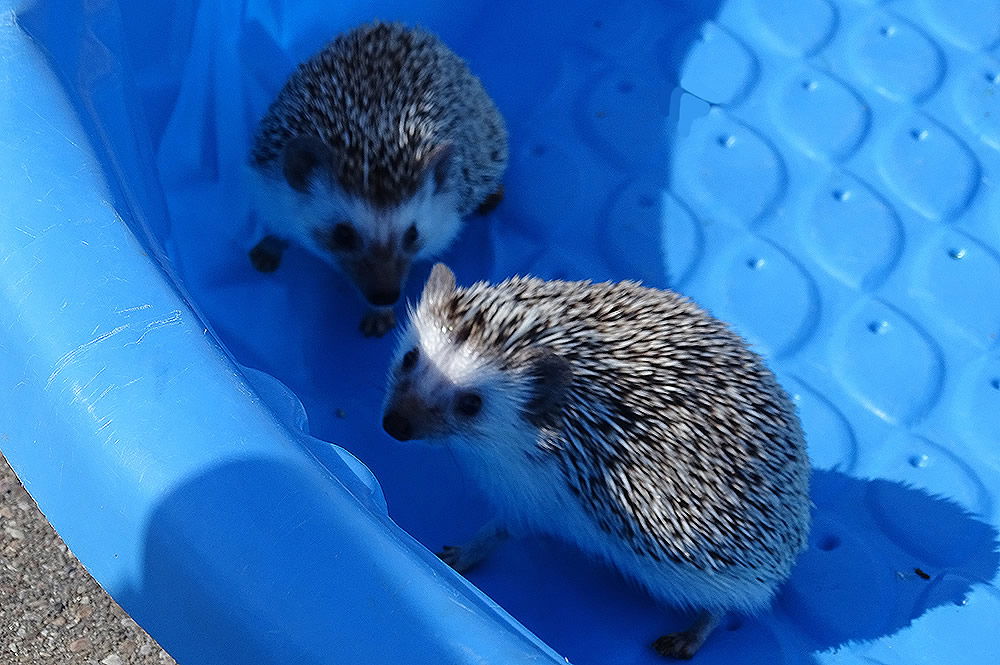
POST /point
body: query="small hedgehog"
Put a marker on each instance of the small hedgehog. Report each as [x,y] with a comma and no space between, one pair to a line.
[622,419]
[371,155]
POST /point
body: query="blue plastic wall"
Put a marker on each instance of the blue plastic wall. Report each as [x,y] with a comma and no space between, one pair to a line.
[825,174]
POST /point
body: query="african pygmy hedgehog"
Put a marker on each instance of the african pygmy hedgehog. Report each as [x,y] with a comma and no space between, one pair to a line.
[371,155]
[623,419]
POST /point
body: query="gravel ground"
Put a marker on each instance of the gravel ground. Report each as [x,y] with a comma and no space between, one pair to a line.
[51,610]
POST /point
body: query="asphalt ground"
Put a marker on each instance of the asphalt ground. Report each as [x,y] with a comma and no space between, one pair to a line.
[51,609]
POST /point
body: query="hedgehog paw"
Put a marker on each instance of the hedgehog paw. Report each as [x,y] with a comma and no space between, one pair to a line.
[490,203]
[481,546]
[452,556]
[266,255]
[679,646]
[461,559]
[377,322]
[684,645]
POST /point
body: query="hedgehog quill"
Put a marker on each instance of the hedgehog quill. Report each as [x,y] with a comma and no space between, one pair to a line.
[633,424]
[371,155]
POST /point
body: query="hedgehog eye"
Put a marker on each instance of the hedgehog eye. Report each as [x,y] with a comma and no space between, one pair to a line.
[410,360]
[344,238]
[410,237]
[468,404]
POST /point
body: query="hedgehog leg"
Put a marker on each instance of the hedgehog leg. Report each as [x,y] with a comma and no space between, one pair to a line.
[490,203]
[471,553]
[377,321]
[266,255]
[685,644]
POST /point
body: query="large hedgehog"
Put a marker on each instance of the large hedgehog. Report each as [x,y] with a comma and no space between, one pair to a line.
[371,155]
[622,419]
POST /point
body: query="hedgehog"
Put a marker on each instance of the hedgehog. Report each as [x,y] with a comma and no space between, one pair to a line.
[622,419]
[370,157]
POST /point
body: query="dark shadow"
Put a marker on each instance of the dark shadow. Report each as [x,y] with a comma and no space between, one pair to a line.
[881,555]
[270,562]
[253,562]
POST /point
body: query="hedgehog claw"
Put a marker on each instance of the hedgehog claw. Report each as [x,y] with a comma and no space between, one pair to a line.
[377,322]
[491,202]
[481,546]
[460,559]
[452,556]
[683,645]
[678,646]
[266,254]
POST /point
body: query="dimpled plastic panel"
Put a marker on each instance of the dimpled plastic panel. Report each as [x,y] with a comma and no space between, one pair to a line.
[824,174]
[887,133]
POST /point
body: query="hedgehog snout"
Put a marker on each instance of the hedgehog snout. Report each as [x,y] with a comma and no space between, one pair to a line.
[383,297]
[397,426]
[378,288]
[407,416]
[380,276]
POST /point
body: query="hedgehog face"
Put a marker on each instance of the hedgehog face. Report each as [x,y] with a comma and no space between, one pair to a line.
[438,390]
[373,243]
[375,247]
[442,387]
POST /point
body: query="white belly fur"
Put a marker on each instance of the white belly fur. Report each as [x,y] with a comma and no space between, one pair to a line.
[532,498]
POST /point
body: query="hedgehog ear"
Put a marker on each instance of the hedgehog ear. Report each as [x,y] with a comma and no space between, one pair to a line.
[304,155]
[551,376]
[440,283]
[437,164]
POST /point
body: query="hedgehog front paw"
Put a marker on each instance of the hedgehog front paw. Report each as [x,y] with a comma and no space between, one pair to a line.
[266,255]
[490,203]
[684,645]
[460,559]
[476,550]
[377,322]
[452,556]
[680,646]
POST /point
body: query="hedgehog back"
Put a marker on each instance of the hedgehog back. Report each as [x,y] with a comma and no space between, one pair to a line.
[383,97]
[674,436]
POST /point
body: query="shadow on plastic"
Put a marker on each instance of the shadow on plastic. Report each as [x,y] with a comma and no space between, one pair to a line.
[219,588]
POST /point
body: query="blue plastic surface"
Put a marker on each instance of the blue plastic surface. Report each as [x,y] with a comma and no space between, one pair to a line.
[823,173]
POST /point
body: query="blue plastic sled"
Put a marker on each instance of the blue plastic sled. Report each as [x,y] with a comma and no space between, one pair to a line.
[825,174]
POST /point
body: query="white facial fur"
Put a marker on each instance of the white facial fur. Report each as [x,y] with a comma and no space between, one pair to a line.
[294,215]
[499,447]
[444,370]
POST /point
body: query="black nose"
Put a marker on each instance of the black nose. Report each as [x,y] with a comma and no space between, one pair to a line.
[397,426]
[383,298]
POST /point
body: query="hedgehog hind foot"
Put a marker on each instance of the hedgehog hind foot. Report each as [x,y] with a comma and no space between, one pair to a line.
[378,321]
[491,202]
[683,645]
[472,553]
[266,254]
